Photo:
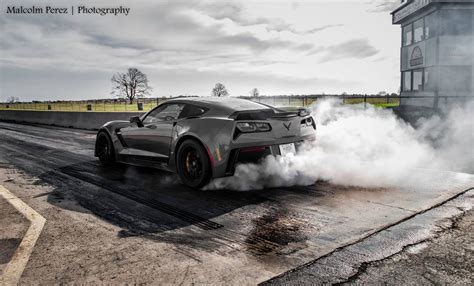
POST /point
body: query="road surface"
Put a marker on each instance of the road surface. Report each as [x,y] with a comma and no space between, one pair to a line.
[138,225]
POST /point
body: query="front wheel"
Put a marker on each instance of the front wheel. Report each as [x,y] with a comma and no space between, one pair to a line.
[105,149]
[193,165]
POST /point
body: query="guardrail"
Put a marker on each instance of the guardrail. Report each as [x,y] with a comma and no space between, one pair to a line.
[145,104]
[105,105]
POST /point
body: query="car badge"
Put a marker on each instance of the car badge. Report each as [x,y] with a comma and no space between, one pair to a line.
[287,126]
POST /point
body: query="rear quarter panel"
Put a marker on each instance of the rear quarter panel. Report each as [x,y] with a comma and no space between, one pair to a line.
[214,133]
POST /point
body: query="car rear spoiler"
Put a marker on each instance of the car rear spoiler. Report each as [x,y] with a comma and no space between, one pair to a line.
[286,112]
[292,112]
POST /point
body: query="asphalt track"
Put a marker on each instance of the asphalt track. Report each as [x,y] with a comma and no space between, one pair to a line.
[136,225]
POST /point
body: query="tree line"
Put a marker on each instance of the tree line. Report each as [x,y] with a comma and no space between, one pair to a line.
[134,84]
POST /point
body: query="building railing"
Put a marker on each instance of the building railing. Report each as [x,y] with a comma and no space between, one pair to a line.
[146,104]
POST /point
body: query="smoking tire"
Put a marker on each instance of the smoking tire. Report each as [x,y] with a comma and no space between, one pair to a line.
[193,164]
[105,149]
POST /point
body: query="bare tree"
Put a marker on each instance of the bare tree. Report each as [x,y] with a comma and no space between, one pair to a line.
[254,92]
[13,99]
[219,90]
[131,84]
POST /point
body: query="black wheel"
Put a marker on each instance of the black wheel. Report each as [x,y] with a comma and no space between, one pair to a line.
[193,164]
[105,149]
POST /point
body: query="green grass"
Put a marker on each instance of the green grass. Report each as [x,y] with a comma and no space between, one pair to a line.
[387,105]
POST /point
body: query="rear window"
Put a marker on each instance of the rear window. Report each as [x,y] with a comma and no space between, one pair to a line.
[252,115]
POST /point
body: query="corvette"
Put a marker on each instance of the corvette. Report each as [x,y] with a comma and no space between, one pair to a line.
[204,138]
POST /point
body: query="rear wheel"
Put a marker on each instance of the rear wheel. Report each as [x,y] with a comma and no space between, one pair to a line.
[105,149]
[193,165]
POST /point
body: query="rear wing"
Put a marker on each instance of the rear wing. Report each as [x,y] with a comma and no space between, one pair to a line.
[263,114]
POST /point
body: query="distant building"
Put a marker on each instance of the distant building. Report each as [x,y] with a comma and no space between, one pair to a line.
[437,48]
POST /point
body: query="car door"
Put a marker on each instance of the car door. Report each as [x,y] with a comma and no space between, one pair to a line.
[153,140]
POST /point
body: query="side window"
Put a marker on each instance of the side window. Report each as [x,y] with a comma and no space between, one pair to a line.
[407,35]
[430,25]
[406,81]
[417,80]
[163,113]
[192,110]
[418,30]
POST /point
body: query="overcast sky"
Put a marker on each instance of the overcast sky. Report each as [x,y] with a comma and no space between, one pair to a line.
[185,47]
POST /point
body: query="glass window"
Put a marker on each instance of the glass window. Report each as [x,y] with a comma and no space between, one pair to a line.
[406,79]
[192,110]
[407,35]
[430,26]
[418,30]
[417,80]
[429,83]
[165,112]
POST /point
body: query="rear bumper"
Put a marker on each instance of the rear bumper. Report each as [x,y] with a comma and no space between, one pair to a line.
[254,153]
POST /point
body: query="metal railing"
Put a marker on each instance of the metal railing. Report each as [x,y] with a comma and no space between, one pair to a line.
[145,104]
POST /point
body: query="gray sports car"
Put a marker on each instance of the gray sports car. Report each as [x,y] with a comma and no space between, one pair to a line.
[204,138]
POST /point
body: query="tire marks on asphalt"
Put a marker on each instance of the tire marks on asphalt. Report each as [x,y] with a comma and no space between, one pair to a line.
[130,193]
[125,191]
[68,169]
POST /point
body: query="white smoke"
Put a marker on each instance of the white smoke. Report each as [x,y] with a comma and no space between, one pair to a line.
[365,147]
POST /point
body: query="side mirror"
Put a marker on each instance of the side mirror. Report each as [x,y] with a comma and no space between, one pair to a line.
[137,120]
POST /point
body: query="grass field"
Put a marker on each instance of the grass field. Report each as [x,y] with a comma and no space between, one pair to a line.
[111,106]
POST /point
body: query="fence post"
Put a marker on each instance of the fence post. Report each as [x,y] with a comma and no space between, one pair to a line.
[365,101]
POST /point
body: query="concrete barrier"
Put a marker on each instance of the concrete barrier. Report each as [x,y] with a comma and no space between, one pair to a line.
[82,120]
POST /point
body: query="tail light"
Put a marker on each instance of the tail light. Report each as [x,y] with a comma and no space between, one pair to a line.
[249,127]
[308,121]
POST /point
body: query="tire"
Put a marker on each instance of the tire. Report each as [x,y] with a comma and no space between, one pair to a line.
[192,164]
[105,149]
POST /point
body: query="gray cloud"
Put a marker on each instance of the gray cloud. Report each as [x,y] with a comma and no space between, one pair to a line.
[163,38]
[358,48]
[250,41]
[236,13]
[325,27]
[148,26]
[382,5]
[285,27]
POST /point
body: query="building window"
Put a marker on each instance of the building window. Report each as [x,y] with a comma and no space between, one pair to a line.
[418,33]
[430,26]
[406,81]
[417,80]
[407,37]
[413,80]
[429,80]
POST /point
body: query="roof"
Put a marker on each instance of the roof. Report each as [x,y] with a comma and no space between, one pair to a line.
[411,7]
[408,2]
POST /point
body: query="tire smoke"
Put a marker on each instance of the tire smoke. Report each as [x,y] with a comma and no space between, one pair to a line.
[368,147]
